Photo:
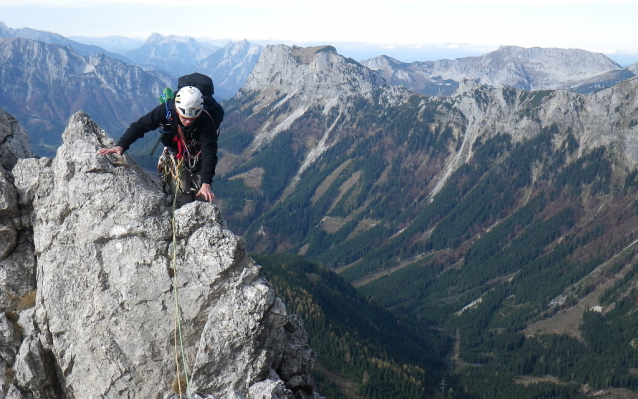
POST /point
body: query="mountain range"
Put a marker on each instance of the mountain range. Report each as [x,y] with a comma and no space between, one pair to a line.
[500,211]
[54,38]
[116,44]
[229,65]
[46,78]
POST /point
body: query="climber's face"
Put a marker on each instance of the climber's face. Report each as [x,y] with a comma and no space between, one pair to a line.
[186,121]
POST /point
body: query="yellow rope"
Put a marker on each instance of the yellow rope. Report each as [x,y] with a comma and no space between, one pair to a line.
[175,173]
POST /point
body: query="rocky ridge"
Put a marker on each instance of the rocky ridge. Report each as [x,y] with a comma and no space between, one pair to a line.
[605,118]
[90,310]
[522,68]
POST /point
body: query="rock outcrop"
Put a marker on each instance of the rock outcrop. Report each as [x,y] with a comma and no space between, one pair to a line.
[16,248]
[17,262]
[96,315]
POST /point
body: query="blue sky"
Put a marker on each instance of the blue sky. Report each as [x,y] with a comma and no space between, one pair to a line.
[421,30]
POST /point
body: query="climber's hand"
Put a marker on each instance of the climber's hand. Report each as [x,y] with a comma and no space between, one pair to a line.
[115,150]
[206,192]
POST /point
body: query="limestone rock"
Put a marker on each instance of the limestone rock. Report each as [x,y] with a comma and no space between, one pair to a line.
[34,371]
[17,263]
[114,279]
[9,344]
[14,141]
[298,358]
[270,389]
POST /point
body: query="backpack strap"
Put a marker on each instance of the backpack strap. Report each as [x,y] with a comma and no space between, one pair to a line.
[162,131]
[214,121]
[168,112]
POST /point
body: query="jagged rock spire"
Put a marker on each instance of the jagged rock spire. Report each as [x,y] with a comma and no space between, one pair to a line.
[104,319]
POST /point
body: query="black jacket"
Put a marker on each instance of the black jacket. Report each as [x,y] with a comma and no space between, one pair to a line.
[204,130]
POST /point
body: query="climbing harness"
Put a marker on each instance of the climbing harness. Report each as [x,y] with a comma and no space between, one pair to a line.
[190,151]
[170,167]
[179,340]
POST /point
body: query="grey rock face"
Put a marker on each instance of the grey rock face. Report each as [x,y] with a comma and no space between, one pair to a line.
[288,82]
[14,141]
[16,249]
[17,262]
[112,286]
[298,358]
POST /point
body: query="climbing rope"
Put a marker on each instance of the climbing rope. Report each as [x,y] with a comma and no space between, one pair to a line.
[174,173]
[169,168]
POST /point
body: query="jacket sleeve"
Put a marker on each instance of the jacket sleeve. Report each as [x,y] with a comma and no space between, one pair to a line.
[209,152]
[146,123]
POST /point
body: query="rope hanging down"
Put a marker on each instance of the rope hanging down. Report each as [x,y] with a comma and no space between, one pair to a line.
[173,171]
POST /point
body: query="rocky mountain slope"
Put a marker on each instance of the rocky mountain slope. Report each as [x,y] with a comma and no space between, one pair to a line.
[522,68]
[333,99]
[502,215]
[16,256]
[43,84]
[91,277]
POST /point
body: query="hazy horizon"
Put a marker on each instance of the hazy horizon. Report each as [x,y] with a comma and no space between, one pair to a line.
[408,30]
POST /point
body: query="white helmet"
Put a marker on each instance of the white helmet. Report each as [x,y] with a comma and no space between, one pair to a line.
[189,102]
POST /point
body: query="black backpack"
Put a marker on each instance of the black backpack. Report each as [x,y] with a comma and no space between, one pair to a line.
[205,85]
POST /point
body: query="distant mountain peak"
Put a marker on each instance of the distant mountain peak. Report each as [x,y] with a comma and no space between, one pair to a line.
[325,78]
[157,38]
[154,37]
[230,66]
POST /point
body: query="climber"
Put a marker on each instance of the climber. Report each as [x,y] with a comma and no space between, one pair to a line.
[190,138]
